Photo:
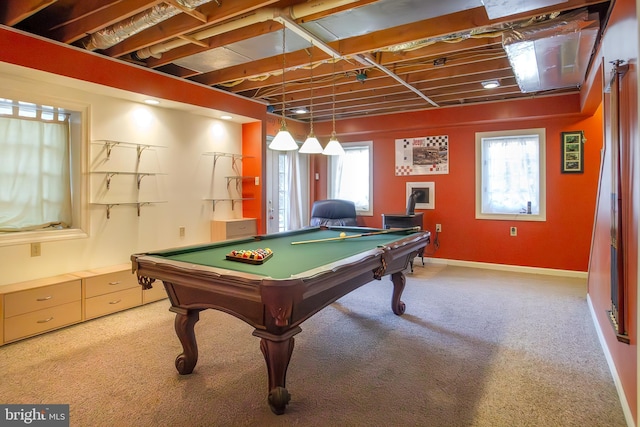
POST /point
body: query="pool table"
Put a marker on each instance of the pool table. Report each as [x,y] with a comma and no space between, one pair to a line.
[309,269]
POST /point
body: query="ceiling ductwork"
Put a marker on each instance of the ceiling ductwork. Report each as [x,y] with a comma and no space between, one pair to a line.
[261,15]
[553,54]
[116,33]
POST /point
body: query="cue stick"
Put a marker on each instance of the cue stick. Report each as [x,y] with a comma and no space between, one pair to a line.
[354,236]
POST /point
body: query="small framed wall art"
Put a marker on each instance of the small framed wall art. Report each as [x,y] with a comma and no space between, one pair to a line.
[426,194]
[572,152]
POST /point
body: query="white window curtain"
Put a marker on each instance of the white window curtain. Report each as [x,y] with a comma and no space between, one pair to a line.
[351,177]
[293,211]
[34,174]
[511,174]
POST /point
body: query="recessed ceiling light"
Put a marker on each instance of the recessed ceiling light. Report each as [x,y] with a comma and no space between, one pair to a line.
[151,101]
[226,117]
[490,84]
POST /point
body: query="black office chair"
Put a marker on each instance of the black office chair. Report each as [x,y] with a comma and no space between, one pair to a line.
[333,212]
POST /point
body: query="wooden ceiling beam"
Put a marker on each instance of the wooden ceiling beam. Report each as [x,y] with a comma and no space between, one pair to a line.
[100,19]
[183,24]
[15,11]
[230,37]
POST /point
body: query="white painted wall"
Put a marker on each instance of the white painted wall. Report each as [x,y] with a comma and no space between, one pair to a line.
[187,178]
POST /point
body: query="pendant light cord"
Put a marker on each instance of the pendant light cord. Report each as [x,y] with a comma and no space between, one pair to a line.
[333,116]
[311,100]
[284,64]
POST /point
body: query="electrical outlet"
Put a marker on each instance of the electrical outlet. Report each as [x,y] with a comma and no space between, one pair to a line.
[182,231]
[257,181]
[438,228]
[35,249]
[513,231]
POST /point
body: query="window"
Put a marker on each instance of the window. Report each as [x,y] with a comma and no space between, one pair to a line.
[351,176]
[40,171]
[510,175]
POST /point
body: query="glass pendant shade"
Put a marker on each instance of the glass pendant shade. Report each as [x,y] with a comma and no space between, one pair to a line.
[333,148]
[283,140]
[311,145]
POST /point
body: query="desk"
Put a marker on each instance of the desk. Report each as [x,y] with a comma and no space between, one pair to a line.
[404,221]
[277,296]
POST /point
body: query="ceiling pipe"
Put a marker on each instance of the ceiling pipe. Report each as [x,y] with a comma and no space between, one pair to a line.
[116,33]
[260,15]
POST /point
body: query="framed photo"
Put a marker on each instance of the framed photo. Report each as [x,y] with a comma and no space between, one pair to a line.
[426,194]
[572,152]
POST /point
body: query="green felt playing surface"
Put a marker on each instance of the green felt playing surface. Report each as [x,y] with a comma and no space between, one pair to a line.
[287,260]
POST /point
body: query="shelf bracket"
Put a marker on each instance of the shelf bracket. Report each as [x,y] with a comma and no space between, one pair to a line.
[215,159]
[109,145]
[140,176]
[109,206]
[140,149]
[141,204]
[109,176]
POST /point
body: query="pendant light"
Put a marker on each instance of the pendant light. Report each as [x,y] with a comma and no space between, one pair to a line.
[311,144]
[333,148]
[283,140]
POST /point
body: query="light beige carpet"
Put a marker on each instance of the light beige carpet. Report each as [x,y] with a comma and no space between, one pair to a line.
[474,348]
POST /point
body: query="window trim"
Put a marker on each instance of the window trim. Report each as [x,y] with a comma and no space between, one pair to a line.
[79,132]
[542,216]
[369,144]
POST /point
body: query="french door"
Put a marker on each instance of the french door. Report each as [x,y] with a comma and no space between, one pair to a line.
[281,184]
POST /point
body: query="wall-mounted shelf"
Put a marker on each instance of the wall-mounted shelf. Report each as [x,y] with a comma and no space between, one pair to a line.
[234,157]
[109,144]
[139,176]
[233,201]
[238,180]
[137,204]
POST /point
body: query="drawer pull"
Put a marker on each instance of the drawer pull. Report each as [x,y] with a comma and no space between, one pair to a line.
[114,283]
[45,320]
[47,298]
[115,302]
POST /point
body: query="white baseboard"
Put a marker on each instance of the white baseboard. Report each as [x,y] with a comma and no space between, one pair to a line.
[612,367]
[505,267]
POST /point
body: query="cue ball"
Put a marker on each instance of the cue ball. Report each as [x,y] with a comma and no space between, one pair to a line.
[343,234]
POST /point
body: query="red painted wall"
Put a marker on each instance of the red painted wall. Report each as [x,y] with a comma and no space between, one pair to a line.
[562,242]
[620,41]
[253,165]
[22,49]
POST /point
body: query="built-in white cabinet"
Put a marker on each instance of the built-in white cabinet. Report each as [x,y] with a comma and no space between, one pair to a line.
[236,228]
[42,305]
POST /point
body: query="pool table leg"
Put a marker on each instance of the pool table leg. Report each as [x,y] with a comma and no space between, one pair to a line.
[277,350]
[399,282]
[184,324]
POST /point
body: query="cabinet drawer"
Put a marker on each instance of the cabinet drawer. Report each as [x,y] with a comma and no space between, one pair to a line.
[107,283]
[241,228]
[112,302]
[154,294]
[28,324]
[35,299]
[233,228]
